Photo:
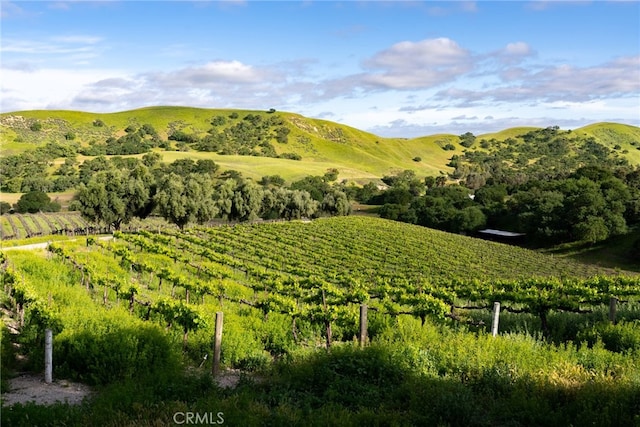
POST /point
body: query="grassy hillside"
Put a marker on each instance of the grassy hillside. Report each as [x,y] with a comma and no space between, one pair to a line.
[612,134]
[613,253]
[625,137]
[507,133]
[358,155]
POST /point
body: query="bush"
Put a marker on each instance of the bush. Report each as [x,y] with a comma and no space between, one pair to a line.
[4,208]
[36,201]
[36,126]
[105,351]
[417,159]
[618,338]
[7,357]
[290,156]
[347,376]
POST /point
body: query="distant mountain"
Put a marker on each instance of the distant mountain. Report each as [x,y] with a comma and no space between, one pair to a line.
[320,144]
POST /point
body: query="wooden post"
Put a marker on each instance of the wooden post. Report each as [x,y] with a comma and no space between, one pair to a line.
[363,325]
[327,322]
[48,356]
[217,343]
[496,318]
[613,301]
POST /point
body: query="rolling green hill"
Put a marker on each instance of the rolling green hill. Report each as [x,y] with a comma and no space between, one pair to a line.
[612,134]
[617,136]
[359,156]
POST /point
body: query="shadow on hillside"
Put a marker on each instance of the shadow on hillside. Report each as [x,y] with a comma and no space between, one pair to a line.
[617,252]
[354,387]
[376,386]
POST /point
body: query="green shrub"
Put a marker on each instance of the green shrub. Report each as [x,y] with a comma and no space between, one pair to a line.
[36,201]
[110,350]
[7,357]
[347,376]
[619,338]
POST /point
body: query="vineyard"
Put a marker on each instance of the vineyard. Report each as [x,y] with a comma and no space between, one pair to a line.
[24,226]
[28,226]
[289,290]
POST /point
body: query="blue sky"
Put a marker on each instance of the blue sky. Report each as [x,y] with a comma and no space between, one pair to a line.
[393,68]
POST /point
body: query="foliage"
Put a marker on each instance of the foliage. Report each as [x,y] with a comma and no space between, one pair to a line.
[105,350]
[184,199]
[113,197]
[36,201]
[4,208]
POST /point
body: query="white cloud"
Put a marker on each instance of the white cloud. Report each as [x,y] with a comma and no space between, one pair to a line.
[46,87]
[215,74]
[618,78]
[413,65]
[77,39]
[518,49]
[54,45]
[9,9]
[430,52]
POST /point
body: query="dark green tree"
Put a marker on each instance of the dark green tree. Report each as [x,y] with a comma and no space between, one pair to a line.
[335,202]
[181,200]
[36,201]
[113,197]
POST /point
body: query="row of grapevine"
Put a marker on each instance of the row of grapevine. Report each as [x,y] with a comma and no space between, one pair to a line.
[300,291]
[316,282]
[22,226]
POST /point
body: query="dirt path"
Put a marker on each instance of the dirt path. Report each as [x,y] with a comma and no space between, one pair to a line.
[32,388]
[43,245]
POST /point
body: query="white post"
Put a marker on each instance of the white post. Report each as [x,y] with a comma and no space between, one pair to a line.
[48,356]
[496,318]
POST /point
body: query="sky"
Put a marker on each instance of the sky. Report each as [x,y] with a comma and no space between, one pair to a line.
[395,68]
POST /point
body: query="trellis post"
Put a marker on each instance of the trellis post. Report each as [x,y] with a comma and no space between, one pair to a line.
[48,356]
[217,343]
[363,325]
[496,318]
[613,302]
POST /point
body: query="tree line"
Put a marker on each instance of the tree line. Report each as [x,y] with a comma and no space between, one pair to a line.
[555,186]
[589,205]
[188,191]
